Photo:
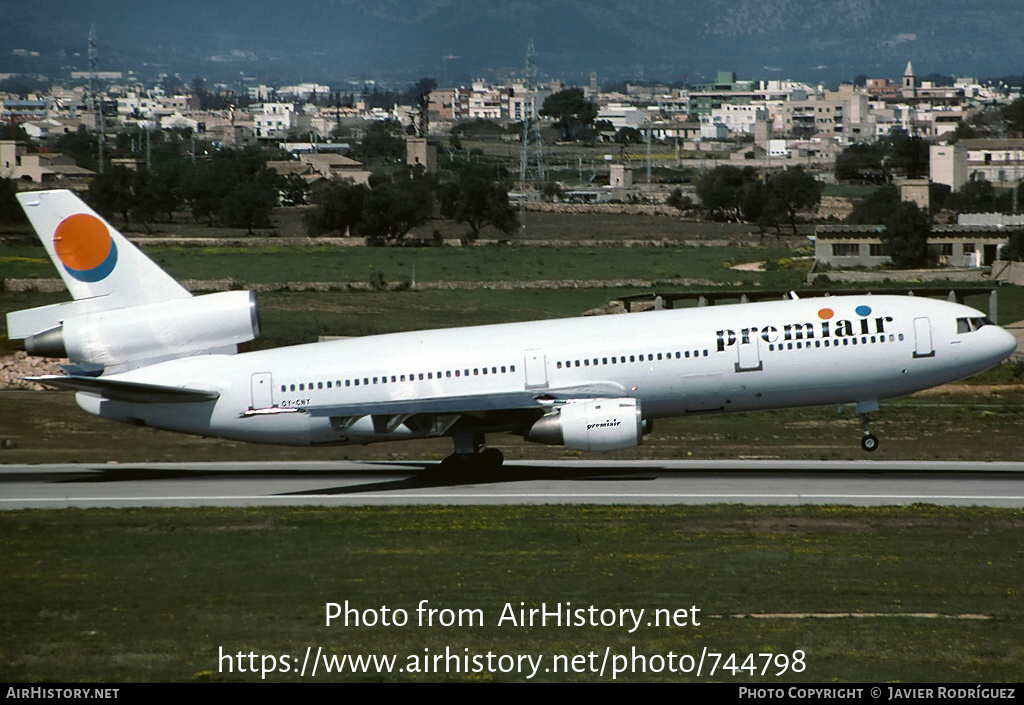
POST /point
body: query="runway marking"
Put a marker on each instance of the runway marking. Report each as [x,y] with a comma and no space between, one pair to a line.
[402,495]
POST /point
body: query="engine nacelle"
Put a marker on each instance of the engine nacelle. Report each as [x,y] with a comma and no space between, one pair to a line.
[165,330]
[592,424]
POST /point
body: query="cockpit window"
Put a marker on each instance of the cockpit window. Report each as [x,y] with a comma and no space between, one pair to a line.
[968,325]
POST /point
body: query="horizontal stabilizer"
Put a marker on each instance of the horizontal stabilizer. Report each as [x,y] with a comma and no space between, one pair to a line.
[134,392]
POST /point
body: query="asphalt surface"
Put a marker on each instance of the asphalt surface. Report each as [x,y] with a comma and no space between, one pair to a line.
[775,482]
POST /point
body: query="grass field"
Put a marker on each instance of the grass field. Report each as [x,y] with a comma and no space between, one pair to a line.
[287,222]
[284,264]
[154,595]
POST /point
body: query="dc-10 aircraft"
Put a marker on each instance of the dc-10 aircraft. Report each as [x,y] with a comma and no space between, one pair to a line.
[147,352]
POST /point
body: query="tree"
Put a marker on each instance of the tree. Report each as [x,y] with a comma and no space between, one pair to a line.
[552,191]
[206,185]
[938,195]
[975,196]
[145,193]
[10,210]
[574,114]
[908,154]
[111,192]
[339,207]
[629,135]
[382,141]
[862,162]
[794,190]
[478,202]
[477,127]
[906,236]
[720,191]
[1013,250]
[875,207]
[753,202]
[422,87]
[1013,116]
[248,206]
[394,207]
[965,131]
[677,200]
[293,191]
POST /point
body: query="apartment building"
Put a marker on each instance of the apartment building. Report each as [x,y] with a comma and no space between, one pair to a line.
[999,161]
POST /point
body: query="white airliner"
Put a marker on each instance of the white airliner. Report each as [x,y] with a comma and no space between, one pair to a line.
[146,352]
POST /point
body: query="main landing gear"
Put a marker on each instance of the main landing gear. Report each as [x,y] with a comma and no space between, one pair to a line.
[486,460]
[470,456]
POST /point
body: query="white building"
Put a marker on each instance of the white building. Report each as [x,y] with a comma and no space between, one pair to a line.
[50,127]
[739,118]
[622,115]
[276,120]
[712,129]
[486,101]
[303,91]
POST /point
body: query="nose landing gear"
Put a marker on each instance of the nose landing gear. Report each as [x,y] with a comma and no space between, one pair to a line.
[869,441]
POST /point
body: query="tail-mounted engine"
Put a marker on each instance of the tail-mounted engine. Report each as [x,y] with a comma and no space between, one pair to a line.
[153,332]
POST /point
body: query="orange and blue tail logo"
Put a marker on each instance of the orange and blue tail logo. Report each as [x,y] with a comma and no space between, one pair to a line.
[85,248]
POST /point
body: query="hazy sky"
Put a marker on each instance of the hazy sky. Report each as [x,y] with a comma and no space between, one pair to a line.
[455,40]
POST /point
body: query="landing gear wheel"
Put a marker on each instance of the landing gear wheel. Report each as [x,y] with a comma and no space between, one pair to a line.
[490,459]
[869,442]
[467,465]
[456,463]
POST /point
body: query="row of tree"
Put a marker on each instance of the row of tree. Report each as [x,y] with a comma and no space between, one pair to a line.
[233,188]
[394,205]
[734,193]
[879,161]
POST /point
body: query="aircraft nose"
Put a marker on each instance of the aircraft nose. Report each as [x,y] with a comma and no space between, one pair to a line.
[1007,343]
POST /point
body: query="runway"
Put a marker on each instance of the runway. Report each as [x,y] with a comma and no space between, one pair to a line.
[774,482]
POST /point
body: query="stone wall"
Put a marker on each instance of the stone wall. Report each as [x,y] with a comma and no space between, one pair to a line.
[212,285]
[902,275]
[17,365]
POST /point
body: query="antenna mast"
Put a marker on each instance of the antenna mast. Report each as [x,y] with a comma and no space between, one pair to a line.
[531,123]
[97,103]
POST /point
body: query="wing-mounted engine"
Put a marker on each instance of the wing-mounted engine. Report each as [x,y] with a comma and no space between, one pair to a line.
[591,424]
[140,335]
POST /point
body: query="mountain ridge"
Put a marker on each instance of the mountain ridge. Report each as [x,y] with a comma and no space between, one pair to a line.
[392,39]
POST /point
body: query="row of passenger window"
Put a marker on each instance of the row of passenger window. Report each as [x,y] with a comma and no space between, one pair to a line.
[397,379]
[834,342]
[624,359]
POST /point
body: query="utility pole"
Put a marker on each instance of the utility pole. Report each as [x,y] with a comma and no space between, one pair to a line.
[531,132]
[97,102]
[649,184]
[531,124]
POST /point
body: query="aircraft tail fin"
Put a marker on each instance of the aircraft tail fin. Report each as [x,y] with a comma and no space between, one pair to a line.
[92,257]
[127,311]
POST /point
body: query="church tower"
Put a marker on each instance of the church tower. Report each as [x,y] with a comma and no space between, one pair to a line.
[909,82]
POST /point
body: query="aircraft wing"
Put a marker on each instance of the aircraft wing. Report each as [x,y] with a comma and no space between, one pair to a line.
[134,392]
[536,399]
